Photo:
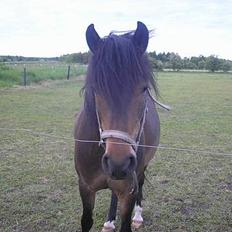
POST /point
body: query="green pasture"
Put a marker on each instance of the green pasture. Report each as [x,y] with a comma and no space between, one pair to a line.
[13,73]
[185,191]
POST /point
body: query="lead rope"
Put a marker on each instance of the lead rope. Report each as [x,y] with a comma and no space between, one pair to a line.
[141,126]
[99,127]
[166,107]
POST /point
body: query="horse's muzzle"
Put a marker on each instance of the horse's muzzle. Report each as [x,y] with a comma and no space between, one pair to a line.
[119,169]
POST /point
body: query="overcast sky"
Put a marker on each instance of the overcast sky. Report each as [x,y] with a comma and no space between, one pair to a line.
[56,27]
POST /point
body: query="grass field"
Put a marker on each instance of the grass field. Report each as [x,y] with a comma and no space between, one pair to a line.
[187,191]
[13,73]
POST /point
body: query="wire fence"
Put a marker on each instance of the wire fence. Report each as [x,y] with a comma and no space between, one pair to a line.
[62,139]
[27,73]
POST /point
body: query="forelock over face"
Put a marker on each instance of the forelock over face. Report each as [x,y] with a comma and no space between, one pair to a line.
[116,71]
[118,66]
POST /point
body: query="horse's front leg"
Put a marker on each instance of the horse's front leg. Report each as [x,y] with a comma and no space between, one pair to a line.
[127,203]
[88,200]
[109,225]
[137,220]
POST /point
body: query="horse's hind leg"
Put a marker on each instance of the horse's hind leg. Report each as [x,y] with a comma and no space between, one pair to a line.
[137,220]
[88,200]
[109,225]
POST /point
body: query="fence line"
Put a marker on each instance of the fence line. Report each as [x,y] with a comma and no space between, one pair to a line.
[25,78]
[119,143]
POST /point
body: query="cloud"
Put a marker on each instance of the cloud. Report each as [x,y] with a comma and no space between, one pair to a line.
[48,28]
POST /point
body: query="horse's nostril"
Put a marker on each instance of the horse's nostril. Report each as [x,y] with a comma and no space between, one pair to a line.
[118,174]
[105,162]
[118,169]
[132,163]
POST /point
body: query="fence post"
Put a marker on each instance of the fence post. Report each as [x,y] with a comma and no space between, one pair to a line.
[24,76]
[68,72]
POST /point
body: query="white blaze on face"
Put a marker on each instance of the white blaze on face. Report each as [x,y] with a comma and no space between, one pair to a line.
[138,214]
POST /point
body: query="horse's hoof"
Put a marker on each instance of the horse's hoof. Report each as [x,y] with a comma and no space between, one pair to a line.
[107,229]
[136,224]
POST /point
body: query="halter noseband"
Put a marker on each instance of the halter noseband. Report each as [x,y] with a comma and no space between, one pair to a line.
[124,136]
[119,135]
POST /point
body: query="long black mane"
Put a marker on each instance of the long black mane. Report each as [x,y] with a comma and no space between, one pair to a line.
[114,70]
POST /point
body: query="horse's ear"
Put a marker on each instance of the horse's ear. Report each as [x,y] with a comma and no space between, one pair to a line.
[141,37]
[92,38]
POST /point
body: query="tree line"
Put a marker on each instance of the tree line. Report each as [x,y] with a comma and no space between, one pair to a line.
[173,61]
[9,58]
[169,60]
[160,61]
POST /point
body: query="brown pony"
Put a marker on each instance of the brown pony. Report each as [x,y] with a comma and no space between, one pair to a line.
[118,111]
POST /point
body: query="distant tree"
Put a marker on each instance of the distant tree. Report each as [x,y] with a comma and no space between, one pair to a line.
[163,57]
[85,58]
[156,64]
[213,63]
[192,66]
[188,64]
[185,62]
[153,54]
[79,57]
[175,61]
[226,65]
[194,60]
[201,64]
